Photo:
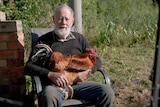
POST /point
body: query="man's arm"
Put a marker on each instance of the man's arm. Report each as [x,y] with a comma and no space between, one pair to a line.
[35,70]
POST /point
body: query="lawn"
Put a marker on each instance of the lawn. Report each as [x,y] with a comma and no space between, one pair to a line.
[129,69]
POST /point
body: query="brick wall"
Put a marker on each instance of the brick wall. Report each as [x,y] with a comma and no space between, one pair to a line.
[12,79]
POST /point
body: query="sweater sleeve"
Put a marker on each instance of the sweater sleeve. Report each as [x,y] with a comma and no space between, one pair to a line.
[34,69]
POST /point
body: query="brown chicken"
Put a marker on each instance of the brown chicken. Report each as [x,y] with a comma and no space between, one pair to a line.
[72,64]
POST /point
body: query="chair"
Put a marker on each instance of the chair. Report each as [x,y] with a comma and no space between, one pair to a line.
[36,83]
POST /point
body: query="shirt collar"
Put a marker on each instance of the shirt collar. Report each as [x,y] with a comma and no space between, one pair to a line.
[70,36]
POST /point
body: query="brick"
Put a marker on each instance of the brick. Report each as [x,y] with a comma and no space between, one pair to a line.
[2,16]
[13,90]
[4,81]
[17,97]
[12,79]
[8,72]
[5,37]
[3,63]
[10,26]
[15,62]
[5,89]
[12,54]
[3,46]
[17,89]
[15,45]
[18,80]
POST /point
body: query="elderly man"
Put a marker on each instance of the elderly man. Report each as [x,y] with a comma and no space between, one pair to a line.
[63,40]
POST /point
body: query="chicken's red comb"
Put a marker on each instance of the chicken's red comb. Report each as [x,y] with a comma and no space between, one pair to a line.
[92,50]
[93,54]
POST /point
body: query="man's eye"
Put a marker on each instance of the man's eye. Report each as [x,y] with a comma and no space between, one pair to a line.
[67,19]
[60,18]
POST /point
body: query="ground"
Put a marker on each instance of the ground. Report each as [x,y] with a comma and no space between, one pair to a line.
[129,69]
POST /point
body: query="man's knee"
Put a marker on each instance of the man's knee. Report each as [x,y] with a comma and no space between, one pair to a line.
[51,91]
[108,92]
[52,97]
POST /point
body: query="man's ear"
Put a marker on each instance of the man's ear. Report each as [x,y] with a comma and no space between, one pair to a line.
[73,21]
[53,19]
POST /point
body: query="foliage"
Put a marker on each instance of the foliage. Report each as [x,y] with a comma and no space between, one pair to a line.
[28,84]
[116,23]
[32,13]
[122,22]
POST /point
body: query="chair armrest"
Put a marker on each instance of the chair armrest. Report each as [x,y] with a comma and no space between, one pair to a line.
[38,84]
[105,75]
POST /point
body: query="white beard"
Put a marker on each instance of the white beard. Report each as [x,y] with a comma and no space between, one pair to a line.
[62,33]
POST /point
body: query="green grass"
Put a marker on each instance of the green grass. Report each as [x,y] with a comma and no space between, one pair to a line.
[129,70]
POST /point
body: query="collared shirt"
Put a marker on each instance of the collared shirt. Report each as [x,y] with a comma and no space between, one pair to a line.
[70,36]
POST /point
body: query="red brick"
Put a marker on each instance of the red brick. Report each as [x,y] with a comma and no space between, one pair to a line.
[18,80]
[5,89]
[4,81]
[19,71]
[13,89]
[15,62]
[3,46]
[17,89]
[12,79]
[15,45]
[8,37]
[3,63]
[11,54]
[10,26]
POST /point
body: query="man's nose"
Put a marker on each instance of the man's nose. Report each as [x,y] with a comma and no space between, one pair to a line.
[63,21]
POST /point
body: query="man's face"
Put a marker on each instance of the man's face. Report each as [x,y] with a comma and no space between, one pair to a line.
[63,21]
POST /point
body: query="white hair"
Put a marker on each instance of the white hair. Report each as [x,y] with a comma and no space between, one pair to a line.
[60,7]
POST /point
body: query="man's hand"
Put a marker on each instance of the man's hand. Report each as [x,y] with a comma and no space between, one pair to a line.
[58,79]
[81,76]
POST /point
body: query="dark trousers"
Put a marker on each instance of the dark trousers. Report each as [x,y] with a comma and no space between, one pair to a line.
[101,94]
